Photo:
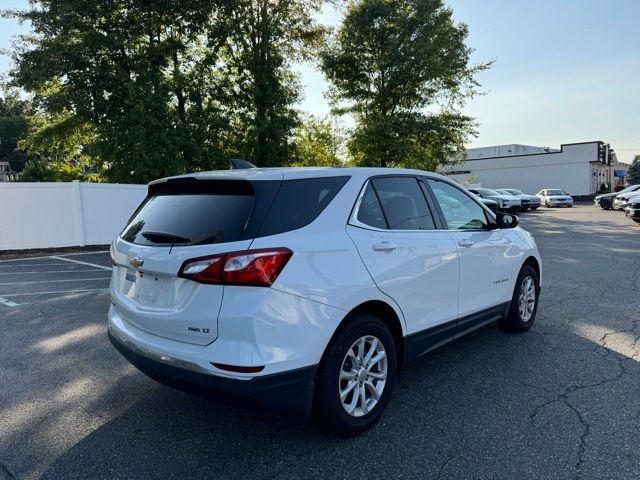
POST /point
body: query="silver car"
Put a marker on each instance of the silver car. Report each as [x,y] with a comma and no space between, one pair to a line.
[528,201]
[555,197]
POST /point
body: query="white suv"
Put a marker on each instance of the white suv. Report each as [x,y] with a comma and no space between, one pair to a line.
[298,287]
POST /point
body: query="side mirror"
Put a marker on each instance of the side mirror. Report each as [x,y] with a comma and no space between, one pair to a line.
[506,220]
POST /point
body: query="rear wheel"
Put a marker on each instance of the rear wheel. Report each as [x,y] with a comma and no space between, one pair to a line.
[357,376]
[524,302]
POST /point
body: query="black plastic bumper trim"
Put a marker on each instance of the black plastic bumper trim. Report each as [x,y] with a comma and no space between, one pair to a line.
[289,391]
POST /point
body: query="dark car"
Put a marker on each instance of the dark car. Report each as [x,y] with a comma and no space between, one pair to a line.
[605,201]
[491,204]
[633,209]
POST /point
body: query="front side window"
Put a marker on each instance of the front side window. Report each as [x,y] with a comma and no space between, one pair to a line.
[460,211]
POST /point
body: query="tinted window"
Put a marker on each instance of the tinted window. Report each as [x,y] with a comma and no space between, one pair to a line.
[460,211]
[188,216]
[370,212]
[485,191]
[555,192]
[299,202]
[403,203]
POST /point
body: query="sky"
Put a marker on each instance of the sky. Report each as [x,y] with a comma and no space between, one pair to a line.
[566,70]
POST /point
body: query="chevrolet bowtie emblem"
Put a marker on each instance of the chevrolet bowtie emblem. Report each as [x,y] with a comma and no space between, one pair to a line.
[135,262]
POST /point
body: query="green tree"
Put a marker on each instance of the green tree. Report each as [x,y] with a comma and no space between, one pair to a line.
[122,69]
[401,68]
[633,172]
[265,37]
[317,142]
[14,125]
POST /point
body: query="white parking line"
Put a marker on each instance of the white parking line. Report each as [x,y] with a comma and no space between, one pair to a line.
[8,303]
[50,256]
[50,271]
[57,292]
[56,264]
[57,281]
[83,263]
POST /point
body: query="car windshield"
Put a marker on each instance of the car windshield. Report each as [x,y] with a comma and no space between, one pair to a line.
[514,192]
[486,191]
[556,192]
[505,192]
[631,188]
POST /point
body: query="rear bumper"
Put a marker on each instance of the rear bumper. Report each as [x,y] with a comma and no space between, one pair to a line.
[286,391]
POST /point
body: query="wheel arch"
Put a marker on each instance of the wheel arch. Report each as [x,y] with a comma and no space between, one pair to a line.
[382,310]
[535,264]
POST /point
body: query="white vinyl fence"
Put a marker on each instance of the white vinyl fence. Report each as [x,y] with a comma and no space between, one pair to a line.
[44,215]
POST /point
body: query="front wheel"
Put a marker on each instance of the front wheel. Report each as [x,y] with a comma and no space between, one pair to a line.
[524,302]
[534,208]
[357,376]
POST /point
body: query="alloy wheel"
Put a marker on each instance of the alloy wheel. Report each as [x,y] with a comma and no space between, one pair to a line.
[363,376]
[527,299]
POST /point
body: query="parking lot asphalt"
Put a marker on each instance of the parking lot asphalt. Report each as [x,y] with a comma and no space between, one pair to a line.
[561,401]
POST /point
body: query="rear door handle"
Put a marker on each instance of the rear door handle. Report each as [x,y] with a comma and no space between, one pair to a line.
[384,246]
[465,243]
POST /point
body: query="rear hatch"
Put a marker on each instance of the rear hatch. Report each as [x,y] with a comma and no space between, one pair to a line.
[183,219]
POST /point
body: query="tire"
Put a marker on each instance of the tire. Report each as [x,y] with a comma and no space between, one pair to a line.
[340,357]
[569,206]
[517,319]
[534,208]
[546,204]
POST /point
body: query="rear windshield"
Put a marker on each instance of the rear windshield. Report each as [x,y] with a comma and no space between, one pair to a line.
[220,211]
[183,215]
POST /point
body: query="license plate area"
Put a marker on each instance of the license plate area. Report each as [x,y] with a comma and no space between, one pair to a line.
[148,289]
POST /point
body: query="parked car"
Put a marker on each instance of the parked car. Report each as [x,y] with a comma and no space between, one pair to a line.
[632,210]
[528,201]
[555,197]
[506,203]
[490,204]
[622,200]
[292,286]
[605,200]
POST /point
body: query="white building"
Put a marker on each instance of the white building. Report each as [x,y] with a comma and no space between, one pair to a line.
[578,168]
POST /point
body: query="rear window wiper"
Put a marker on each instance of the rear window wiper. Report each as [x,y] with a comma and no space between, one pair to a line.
[162,237]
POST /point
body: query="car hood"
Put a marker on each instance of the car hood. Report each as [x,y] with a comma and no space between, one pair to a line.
[626,196]
[606,195]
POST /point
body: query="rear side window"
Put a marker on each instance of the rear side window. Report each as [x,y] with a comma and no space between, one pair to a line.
[403,203]
[370,211]
[299,202]
[192,214]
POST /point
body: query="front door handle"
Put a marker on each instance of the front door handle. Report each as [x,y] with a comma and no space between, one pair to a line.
[466,243]
[384,246]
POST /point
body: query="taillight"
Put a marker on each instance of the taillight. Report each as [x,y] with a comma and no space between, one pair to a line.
[257,268]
